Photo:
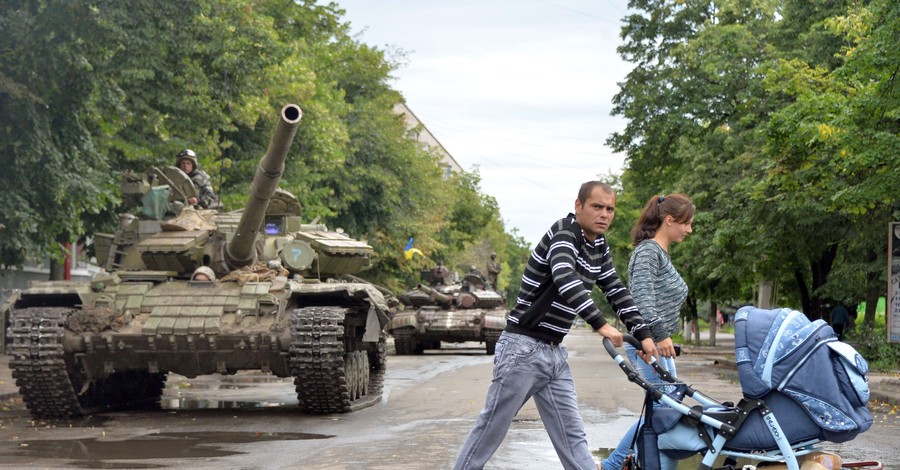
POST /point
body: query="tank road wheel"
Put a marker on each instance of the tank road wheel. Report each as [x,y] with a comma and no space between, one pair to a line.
[364,373]
[490,341]
[354,373]
[329,378]
[38,362]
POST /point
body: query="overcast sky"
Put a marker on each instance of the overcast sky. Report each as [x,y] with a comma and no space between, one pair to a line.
[519,89]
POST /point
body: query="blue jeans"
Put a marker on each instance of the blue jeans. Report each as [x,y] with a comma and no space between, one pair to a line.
[525,367]
[617,457]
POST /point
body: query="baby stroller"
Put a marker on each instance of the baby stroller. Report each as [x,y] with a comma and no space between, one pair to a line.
[801,386]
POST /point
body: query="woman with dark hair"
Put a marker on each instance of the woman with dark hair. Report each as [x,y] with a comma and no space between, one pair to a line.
[658,291]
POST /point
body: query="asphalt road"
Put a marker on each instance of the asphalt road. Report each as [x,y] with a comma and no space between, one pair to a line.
[429,405]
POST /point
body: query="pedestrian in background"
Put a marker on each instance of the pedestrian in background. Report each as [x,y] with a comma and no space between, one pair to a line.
[658,292]
[529,361]
[839,319]
[493,268]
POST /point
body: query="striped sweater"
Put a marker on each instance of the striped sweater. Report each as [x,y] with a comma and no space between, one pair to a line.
[657,288]
[557,286]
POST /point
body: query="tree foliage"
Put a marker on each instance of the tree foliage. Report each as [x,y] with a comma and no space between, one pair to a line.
[780,119]
[91,88]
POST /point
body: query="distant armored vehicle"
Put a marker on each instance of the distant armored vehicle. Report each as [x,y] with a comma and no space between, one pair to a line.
[200,292]
[450,313]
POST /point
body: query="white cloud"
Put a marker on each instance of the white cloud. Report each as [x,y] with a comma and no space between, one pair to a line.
[521,89]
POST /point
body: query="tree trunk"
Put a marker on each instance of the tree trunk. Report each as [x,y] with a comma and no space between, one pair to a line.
[690,310]
[803,290]
[874,289]
[57,270]
[820,268]
[766,298]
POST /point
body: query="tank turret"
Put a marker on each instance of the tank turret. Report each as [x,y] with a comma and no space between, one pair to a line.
[171,238]
[240,251]
[438,297]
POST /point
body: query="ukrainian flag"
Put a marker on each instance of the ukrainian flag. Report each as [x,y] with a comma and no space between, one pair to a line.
[409,251]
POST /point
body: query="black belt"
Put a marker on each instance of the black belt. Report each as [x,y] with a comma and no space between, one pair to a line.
[518,331]
[552,344]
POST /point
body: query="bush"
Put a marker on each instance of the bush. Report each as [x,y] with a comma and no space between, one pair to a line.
[874,346]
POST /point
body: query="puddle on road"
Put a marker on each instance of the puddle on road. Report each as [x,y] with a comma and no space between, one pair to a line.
[197,403]
[244,391]
[93,453]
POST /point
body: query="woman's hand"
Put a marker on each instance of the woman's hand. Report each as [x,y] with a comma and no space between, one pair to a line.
[666,348]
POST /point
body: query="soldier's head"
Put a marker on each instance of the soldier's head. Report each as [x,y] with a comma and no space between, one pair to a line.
[203,273]
[493,255]
[187,161]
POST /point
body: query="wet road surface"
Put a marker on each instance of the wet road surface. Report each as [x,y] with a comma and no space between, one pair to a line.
[430,403]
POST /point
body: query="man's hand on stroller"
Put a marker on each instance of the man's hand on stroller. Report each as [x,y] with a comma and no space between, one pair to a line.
[648,350]
[612,333]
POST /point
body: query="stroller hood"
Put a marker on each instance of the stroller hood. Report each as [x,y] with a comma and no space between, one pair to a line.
[782,350]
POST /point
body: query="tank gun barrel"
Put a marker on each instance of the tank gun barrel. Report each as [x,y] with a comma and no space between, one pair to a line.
[437,296]
[240,251]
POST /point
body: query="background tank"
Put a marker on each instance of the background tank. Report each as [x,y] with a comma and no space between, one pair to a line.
[456,312]
[281,303]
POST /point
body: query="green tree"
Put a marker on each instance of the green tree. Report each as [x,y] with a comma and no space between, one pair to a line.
[781,126]
[49,94]
[97,87]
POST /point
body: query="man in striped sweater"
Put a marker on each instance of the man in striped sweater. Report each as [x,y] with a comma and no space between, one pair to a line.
[529,360]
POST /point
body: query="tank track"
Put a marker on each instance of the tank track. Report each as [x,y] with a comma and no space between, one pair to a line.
[47,383]
[490,341]
[328,377]
[38,362]
[405,342]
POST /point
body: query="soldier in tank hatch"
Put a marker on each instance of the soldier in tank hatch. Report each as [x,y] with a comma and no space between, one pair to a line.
[187,162]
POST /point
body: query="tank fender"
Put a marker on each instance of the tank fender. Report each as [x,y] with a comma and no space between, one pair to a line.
[377,316]
[402,320]
[373,326]
[494,321]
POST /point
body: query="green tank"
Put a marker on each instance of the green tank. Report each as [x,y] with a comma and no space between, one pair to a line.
[281,299]
[454,313]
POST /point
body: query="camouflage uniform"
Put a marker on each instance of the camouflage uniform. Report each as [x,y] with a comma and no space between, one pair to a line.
[493,267]
[206,197]
[202,181]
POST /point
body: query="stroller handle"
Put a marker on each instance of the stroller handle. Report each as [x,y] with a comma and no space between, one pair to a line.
[633,341]
[607,343]
[633,376]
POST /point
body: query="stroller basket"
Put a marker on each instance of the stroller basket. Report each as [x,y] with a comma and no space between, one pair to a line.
[800,385]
